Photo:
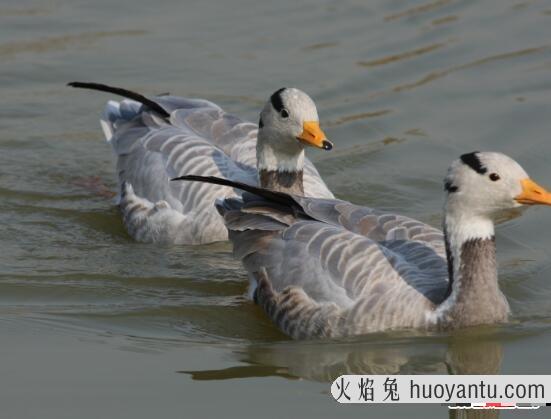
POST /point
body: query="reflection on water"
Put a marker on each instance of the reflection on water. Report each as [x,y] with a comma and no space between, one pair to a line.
[59,42]
[436,75]
[402,56]
[461,354]
[423,8]
[470,353]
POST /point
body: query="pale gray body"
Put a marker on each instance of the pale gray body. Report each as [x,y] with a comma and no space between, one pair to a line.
[328,268]
[198,138]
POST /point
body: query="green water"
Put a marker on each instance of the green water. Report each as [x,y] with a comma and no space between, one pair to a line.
[95,325]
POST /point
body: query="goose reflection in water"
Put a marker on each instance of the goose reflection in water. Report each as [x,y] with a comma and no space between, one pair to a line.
[470,352]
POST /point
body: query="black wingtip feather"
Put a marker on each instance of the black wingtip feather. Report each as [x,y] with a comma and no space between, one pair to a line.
[154,106]
[274,196]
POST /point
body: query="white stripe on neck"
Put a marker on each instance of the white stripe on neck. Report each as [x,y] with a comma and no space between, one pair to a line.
[463,228]
[272,160]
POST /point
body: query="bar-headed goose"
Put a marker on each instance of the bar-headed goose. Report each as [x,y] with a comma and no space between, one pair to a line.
[166,136]
[322,267]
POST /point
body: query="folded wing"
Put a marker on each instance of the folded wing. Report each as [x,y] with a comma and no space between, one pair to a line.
[197,137]
[329,268]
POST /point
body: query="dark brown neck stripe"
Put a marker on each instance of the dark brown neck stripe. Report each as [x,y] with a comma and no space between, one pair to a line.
[276,180]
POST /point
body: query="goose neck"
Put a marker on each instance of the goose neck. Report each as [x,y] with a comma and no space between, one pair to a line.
[473,295]
[280,169]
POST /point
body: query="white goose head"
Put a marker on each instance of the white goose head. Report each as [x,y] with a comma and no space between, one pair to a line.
[480,187]
[288,123]
[484,184]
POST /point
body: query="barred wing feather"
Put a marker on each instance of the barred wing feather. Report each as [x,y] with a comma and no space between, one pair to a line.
[338,269]
[198,138]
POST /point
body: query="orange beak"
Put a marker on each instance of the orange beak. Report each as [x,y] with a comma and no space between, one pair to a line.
[533,194]
[312,135]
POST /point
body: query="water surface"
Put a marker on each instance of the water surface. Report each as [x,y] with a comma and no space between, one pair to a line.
[96,325]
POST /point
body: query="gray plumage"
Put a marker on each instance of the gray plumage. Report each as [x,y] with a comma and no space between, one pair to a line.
[328,268]
[336,270]
[182,136]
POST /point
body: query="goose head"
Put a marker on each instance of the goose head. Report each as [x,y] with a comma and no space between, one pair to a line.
[486,184]
[288,122]
[482,189]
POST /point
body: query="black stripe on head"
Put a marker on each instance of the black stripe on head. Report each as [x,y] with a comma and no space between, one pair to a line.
[472,160]
[450,187]
[277,100]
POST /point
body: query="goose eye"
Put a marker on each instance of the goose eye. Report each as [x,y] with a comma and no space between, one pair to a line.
[494,177]
[284,113]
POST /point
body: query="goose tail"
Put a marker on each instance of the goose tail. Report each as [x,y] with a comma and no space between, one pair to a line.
[125,110]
